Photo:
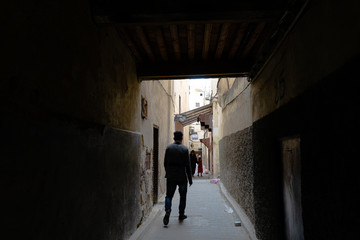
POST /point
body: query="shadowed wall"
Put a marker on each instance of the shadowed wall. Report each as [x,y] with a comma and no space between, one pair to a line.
[70,101]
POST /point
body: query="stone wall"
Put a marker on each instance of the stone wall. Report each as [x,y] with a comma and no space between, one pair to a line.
[237,168]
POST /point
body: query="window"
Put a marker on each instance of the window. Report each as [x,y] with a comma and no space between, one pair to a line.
[197,104]
[194,136]
[191,130]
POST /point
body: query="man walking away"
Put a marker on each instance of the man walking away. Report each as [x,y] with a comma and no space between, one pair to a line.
[178,172]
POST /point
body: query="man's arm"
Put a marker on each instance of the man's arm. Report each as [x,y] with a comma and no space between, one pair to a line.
[188,167]
[166,160]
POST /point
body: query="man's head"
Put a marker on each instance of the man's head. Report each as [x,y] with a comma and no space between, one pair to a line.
[178,136]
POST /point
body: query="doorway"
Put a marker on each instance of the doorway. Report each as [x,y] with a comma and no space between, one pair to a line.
[155,163]
[291,160]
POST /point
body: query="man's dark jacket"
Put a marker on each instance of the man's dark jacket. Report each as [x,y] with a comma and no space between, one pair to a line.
[177,163]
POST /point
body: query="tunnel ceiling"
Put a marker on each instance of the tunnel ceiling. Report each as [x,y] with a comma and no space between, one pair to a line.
[180,39]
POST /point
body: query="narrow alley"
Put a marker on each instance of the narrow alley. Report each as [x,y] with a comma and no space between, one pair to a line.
[210,216]
[91,92]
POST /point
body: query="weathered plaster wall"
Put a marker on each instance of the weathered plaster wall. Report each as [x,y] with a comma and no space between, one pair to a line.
[71,116]
[160,106]
[181,88]
[323,40]
[236,107]
[215,134]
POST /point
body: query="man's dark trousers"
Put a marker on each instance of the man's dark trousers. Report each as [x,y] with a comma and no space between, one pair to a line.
[170,191]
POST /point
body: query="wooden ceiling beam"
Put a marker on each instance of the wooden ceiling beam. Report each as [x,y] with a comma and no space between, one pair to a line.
[222,40]
[253,39]
[126,18]
[239,36]
[192,70]
[206,42]
[191,41]
[175,41]
[161,44]
[146,45]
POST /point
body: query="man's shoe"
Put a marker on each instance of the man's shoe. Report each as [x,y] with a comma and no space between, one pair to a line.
[166,218]
[182,217]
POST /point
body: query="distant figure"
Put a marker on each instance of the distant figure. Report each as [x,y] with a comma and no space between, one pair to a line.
[200,166]
[193,161]
[177,173]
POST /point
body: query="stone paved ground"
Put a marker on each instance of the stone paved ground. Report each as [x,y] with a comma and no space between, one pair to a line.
[208,217]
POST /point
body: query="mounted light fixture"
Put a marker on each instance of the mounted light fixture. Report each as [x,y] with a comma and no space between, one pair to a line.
[144,108]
